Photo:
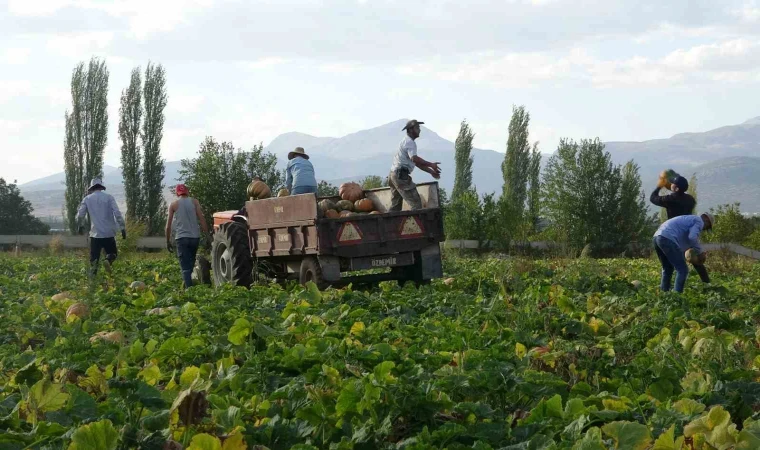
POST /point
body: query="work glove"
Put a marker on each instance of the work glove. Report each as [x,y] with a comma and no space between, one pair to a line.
[209,240]
[80,231]
[169,246]
[123,234]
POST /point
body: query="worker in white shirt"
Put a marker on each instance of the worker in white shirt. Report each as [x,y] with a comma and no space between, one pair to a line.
[404,162]
[105,219]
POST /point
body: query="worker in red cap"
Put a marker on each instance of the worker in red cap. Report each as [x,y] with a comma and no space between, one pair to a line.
[185,214]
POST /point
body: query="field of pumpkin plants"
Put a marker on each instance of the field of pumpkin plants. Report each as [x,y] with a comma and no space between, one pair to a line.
[502,354]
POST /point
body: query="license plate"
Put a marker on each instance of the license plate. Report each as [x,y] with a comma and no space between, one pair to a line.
[380,262]
[385,262]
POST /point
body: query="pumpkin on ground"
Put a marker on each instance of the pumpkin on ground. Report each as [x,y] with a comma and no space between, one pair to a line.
[351,191]
[61,296]
[332,214]
[363,205]
[79,310]
[114,337]
[284,192]
[137,285]
[258,190]
[346,214]
[344,205]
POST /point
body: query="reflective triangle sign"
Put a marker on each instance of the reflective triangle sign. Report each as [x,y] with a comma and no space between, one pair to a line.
[349,233]
[411,227]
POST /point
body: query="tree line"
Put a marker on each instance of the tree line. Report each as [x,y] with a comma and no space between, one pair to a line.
[582,198]
[141,122]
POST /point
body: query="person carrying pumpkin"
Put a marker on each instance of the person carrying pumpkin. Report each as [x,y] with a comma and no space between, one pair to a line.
[404,162]
[299,173]
[671,241]
[678,203]
[184,214]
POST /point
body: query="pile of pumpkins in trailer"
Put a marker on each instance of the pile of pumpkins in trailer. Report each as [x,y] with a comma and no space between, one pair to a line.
[352,200]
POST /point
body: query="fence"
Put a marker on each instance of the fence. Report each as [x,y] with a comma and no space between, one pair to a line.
[72,242]
[157,243]
[463,244]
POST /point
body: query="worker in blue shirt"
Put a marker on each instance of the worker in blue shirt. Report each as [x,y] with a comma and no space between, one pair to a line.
[105,220]
[671,241]
[299,174]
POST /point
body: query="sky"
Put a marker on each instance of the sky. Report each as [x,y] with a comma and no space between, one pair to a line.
[246,71]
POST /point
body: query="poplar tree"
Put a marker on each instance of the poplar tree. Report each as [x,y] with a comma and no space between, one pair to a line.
[463,161]
[155,98]
[86,132]
[130,116]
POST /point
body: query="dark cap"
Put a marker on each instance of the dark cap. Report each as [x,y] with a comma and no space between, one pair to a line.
[412,123]
[682,183]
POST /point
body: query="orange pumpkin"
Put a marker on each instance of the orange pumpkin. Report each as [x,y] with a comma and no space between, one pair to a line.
[363,205]
[346,213]
[258,190]
[351,191]
[284,192]
[332,214]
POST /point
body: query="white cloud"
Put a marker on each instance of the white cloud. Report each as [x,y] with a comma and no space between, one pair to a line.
[184,103]
[145,17]
[36,7]
[263,63]
[339,68]
[732,60]
[15,55]
[13,126]
[14,88]
[180,143]
[79,45]
[749,12]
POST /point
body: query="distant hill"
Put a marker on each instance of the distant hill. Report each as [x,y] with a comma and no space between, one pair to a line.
[729,180]
[725,161]
[370,152]
[684,152]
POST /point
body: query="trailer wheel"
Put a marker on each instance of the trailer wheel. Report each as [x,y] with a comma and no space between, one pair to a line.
[311,271]
[202,270]
[231,256]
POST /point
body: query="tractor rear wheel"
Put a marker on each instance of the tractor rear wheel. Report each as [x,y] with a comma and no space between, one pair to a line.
[231,255]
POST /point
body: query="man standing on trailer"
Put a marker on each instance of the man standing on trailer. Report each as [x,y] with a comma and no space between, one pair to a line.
[104,217]
[185,213]
[404,162]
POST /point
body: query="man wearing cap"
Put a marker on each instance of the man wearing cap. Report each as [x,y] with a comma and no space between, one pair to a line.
[185,213]
[671,241]
[299,173]
[679,203]
[105,218]
[404,162]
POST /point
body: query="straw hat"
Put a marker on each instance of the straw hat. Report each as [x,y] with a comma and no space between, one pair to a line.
[298,151]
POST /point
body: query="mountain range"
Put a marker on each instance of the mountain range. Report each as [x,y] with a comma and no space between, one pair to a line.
[725,161]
